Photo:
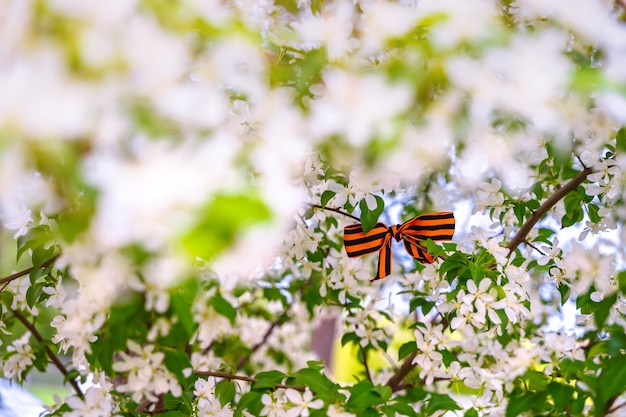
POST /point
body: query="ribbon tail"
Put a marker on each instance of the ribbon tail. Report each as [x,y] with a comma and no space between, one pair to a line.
[384,260]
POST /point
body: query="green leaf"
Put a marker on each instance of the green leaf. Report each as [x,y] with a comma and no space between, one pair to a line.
[326,196]
[224,219]
[536,380]
[73,222]
[268,380]
[471,412]
[441,402]
[621,280]
[592,211]
[41,255]
[602,309]
[251,401]
[369,218]
[316,6]
[33,293]
[126,321]
[519,209]
[431,247]
[317,381]
[573,210]
[176,360]
[7,298]
[561,394]
[36,239]
[611,382]
[310,71]
[181,302]
[224,308]
[363,396]
[274,376]
[350,337]
[399,406]
[225,391]
[620,139]
[384,391]
[406,349]
[522,403]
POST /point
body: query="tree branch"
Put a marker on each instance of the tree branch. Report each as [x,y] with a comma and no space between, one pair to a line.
[51,355]
[545,207]
[320,207]
[27,271]
[231,377]
[395,381]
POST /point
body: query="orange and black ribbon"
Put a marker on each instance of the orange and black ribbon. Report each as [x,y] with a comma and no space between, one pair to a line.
[435,226]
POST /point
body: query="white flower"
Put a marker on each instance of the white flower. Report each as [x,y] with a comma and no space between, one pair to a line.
[346,106]
[21,358]
[97,402]
[211,324]
[20,221]
[464,21]
[552,254]
[272,406]
[146,375]
[335,411]
[205,362]
[489,195]
[382,20]
[333,28]
[57,294]
[302,402]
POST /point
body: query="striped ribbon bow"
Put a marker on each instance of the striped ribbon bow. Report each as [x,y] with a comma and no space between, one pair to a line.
[435,226]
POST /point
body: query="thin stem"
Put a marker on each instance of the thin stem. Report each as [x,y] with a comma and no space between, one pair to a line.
[534,247]
[285,314]
[231,377]
[27,271]
[320,207]
[51,355]
[367,368]
[545,207]
[242,360]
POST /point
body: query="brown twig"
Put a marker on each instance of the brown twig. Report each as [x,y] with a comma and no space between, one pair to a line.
[534,247]
[27,271]
[51,355]
[231,377]
[366,366]
[615,408]
[336,210]
[545,207]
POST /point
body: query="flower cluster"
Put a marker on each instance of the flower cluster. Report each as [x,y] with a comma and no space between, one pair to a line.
[177,177]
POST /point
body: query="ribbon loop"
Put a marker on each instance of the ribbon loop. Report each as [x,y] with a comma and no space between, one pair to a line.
[436,226]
